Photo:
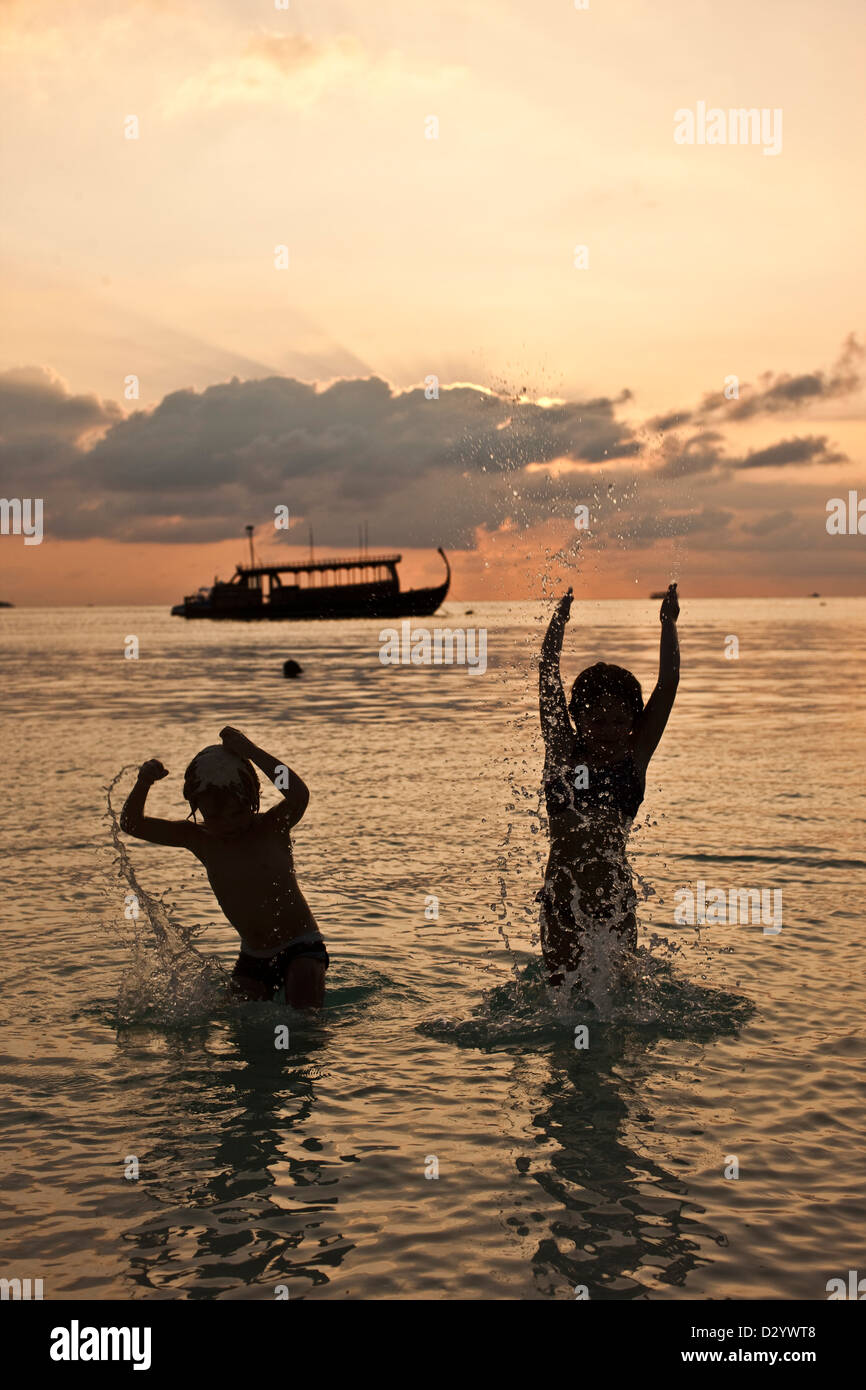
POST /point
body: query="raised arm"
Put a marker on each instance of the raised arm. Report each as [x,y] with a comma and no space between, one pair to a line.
[293,789]
[651,724]
[133,821]
[555,723]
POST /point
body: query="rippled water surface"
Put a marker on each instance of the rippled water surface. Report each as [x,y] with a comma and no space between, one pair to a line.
[558,1167]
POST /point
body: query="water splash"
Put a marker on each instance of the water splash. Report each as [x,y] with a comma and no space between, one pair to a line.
[653,999]
[167,978]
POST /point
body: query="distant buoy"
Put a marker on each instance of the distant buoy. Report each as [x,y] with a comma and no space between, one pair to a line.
[291,669]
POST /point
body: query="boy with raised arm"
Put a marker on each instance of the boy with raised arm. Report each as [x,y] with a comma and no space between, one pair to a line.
[248,858]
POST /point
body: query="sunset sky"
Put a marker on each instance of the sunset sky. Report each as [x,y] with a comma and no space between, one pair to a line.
[305,127]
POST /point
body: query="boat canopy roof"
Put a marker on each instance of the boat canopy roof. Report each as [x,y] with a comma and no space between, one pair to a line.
[308,567]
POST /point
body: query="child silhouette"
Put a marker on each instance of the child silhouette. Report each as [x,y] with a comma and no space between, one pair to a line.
[248,858]
[597,750]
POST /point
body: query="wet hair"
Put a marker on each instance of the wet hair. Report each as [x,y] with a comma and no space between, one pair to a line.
[599,684]
[236,776]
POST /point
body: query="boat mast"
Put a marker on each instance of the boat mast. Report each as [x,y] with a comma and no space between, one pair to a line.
[255,580]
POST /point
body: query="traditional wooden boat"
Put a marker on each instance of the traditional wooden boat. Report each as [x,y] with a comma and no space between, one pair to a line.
[360,586]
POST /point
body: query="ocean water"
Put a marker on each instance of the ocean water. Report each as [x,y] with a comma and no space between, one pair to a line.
[607,1167]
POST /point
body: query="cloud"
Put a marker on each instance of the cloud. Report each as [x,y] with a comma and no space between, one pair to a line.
[776,394]
[201,464]
[783,393]
[807,449]
[646,527]
[706,453]
[769,523]
[296,71]
[35,402]
[702,453]
[190,468]
[44,430]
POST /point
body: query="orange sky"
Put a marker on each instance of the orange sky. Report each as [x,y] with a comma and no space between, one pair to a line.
[154,258]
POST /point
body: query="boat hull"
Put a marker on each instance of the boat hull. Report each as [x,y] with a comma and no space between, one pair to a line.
[313,605]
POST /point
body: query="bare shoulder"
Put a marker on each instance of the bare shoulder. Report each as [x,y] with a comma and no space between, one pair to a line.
[204,846]
[278,820]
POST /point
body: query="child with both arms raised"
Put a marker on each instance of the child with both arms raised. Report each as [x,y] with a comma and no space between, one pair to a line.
[248,858]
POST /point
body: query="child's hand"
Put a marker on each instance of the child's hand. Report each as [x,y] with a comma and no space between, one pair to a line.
[670,609]
[235,741]
[564,608]
[152,771]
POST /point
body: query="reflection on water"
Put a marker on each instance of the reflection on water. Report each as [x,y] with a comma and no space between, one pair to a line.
[560,1167]
[624,1222]
[232,1199]
[621,1223]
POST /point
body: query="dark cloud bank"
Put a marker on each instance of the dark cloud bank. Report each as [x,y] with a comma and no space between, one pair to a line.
[421,472]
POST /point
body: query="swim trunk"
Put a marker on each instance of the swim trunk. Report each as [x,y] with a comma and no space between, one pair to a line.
[271,969]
